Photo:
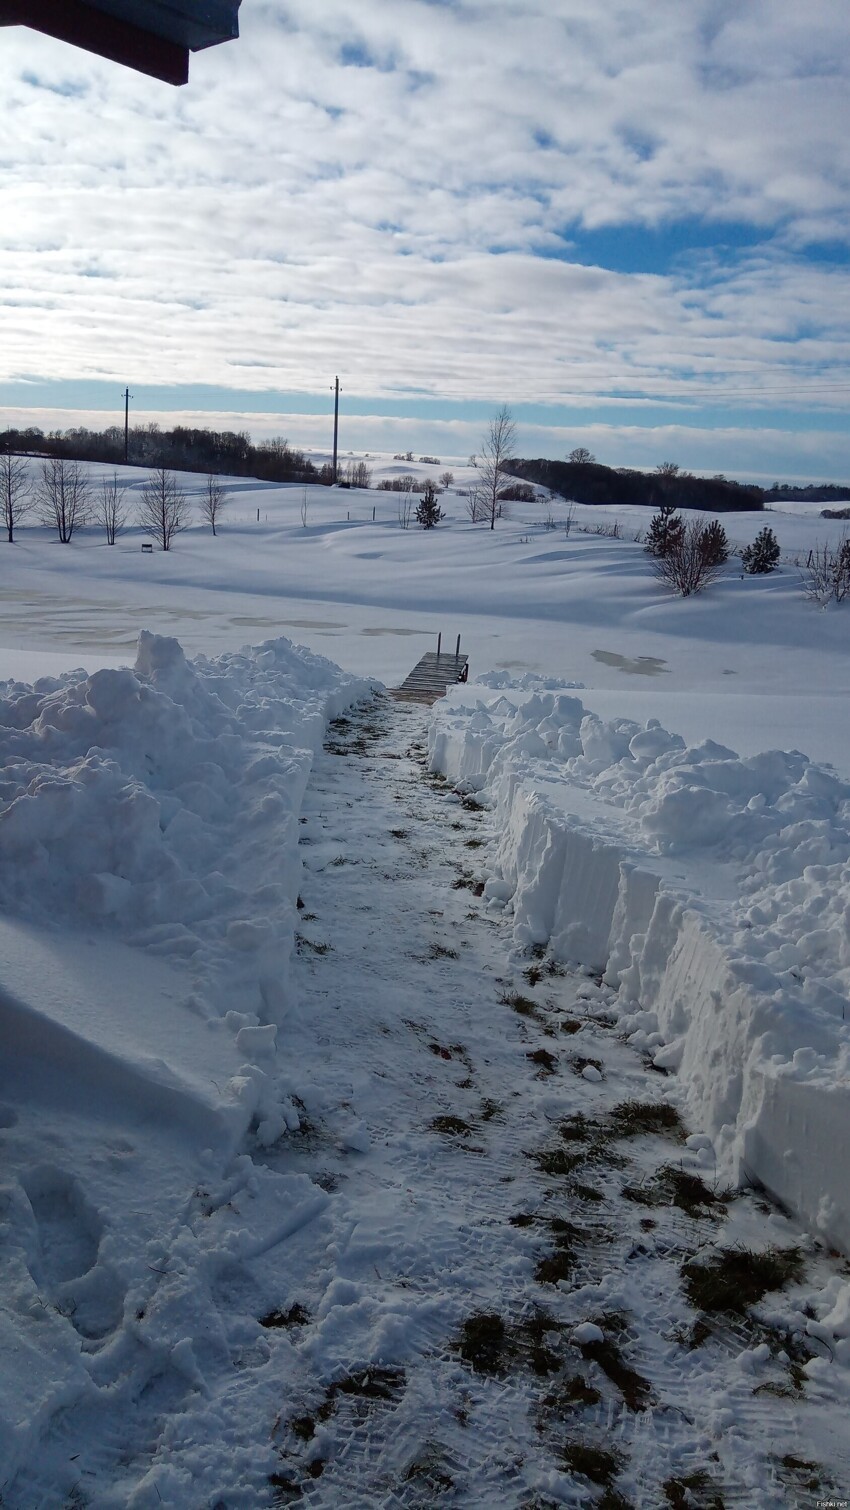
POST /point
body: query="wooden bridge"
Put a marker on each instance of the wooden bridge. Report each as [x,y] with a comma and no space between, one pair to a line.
[432,676]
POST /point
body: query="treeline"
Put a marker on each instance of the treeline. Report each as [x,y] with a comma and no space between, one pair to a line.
[592,483]
[825,492]
[181,449]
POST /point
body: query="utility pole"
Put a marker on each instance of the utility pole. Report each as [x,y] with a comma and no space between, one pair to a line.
[127,395]
[336,420]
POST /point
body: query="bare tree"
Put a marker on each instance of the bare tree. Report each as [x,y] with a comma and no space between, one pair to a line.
[667,469]
[109,507]
[15,492]
[358,475]
[405,503]
[690,564]
[447,478]
[63,496]
[476,506]
[580,456]
[214,500]
[496,449]
[164,508]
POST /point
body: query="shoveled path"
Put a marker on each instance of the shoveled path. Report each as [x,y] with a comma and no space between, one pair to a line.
[484,1264]
[493,1310]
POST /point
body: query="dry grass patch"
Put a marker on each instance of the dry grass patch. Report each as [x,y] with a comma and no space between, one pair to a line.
[547,1063]
[673,1186]
[522,1005]
[734,1279]
[634,1388]
[633,1119]
[598,1464]
[297,1315]
[486,1344]
[451,1126]
[693,1491]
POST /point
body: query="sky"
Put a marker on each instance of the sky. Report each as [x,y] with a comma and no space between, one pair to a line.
[628,222]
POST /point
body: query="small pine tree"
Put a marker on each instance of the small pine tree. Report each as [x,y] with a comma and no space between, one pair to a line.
[428,511]
[665,534]
[762,555]
[715,544]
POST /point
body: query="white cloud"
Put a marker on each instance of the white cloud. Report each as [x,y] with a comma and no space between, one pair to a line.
[314,215]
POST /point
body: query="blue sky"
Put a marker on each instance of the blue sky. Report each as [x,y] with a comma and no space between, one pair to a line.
[630,223]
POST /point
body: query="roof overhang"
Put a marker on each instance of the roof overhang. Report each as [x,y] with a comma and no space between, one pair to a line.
[152,36]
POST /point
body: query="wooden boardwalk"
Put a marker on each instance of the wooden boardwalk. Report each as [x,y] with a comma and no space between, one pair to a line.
[430,678]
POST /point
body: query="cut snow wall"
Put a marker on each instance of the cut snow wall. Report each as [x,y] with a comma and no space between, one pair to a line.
[778,1112]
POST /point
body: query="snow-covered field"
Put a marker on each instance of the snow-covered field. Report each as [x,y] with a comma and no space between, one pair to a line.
[238,1178]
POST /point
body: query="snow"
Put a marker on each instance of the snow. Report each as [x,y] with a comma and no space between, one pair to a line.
[711,890]
[255,1004]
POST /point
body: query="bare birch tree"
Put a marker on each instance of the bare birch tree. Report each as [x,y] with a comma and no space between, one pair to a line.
[164,508]
[109,507]
[214,500]
[15,492]
[63,496]
[405,503]
[476,505]
[496,449]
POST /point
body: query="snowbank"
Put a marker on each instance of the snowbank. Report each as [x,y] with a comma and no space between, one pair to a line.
[713,891]
[149,873]
[163,802]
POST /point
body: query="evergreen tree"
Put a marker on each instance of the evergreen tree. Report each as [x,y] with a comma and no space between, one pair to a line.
[762,555]
[428,511]
[715,544]
[665,534]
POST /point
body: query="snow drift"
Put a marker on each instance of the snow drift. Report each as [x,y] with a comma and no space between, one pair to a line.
[712,891]
[149,873]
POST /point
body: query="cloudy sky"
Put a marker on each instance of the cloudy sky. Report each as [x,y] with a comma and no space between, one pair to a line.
[627,220]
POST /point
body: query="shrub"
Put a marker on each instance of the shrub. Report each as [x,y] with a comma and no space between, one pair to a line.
[686,566]
[518,492]
[762,555]
[664,534]
[826,575]
[715,544]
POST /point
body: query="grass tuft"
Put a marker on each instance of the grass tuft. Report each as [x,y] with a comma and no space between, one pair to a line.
[371,1383]
[571,1392]
[672,1186]
[485,1343]
[599,1464]
[634,1388]
[801,1473]
[735,1278]
[440,951]
[428,1472]
[693,1491]
[297,1315]
[547,1063]
[632,1119]
[521,1004]
[555,1162]
[453,1127]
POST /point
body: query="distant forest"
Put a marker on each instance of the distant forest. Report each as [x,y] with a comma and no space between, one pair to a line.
[825,492]
[590,482]
[233,453]
[181,449]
